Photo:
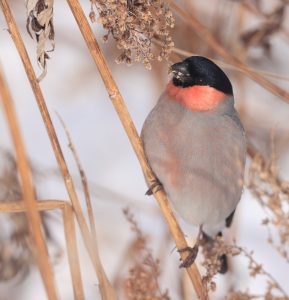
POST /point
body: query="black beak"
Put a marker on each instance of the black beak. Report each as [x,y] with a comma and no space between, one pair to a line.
[180,68]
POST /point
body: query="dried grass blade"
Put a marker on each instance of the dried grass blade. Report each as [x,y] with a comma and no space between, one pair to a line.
[106,289]
[73,258]
[33,217]
[83,178]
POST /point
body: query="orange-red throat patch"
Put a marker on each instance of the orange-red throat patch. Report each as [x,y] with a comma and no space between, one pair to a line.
[197,97]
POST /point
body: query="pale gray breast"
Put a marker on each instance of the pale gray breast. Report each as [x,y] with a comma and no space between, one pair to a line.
[198,157]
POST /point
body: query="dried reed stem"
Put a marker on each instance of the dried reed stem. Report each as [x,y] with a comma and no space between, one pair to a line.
[106,289]
[29,199]
[130,129]
[100,272]
[206,35]
[73,258]
[19,206]
[83,178]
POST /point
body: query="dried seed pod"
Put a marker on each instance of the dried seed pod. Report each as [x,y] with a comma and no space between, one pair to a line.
[133,24]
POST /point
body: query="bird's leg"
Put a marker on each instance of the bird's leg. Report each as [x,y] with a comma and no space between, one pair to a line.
[154,187]
[193,251]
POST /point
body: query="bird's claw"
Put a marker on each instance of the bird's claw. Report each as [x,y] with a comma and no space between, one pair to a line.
[155,187]
[190,259]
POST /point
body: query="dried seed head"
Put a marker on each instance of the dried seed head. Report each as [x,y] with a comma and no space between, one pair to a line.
[133,24]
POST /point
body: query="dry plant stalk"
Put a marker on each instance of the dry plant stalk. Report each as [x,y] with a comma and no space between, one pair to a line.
[133,136]
[16,251]
[106,289]
[208,37]
[82,177]
[70,236]
[73,258]
[33,217]
[100,271]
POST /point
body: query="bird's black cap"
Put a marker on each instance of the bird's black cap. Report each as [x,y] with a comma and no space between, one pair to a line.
[198,70]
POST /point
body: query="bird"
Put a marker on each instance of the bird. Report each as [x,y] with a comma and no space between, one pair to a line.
[195,144]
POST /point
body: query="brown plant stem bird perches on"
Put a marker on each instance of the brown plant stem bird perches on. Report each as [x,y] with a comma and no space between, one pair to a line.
[132,134]
[194,141]
[154,187]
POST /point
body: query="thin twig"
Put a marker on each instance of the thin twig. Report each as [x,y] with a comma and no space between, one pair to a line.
[132,134]
[105,287]
[262,271]
[100,270]
[82,176]
[29,199]
[206,35]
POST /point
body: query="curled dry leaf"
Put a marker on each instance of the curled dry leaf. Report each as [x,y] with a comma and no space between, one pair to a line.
[40,24]
[133,24]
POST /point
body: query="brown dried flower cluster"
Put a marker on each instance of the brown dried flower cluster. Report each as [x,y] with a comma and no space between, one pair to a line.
[212,253]
[272,291]
[133,24]
[142,282]
[273,195]
[40,24]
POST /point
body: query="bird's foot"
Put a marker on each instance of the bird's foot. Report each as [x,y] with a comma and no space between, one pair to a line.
[193,251]
[155,187]
[190,259]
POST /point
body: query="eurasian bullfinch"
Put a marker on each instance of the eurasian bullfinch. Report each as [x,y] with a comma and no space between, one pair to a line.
[195,144]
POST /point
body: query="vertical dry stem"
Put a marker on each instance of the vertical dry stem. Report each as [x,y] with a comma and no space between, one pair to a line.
[100,273]
[69,229]
[130,129]
[33,217]
[106,289]
[83,179]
